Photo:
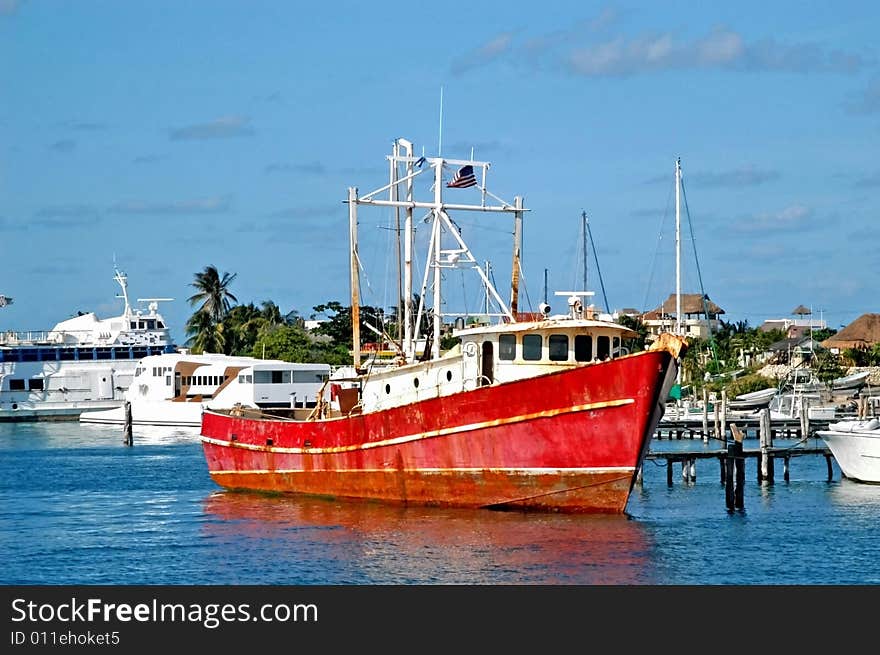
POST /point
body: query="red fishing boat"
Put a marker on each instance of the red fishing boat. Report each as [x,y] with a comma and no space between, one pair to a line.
[551,413]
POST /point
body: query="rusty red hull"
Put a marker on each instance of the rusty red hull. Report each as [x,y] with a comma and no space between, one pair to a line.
[567,441]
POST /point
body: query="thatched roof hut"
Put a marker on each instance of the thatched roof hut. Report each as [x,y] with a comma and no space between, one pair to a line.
[800,310]
[863,332]
[691,303]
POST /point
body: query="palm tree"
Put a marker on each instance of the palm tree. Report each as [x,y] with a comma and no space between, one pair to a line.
[204,334]
[213,292]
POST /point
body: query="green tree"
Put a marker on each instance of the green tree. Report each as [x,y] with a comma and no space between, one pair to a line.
[204,335]
[205,327]
[212,291]
[293,343]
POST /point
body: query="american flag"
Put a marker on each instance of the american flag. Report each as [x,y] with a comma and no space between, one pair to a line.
[463,178]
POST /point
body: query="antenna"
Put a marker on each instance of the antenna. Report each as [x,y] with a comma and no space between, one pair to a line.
[440,138]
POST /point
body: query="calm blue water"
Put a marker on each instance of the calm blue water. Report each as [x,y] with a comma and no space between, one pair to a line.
[78,507]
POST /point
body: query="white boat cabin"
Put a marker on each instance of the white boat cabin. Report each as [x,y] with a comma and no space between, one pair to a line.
[497,354]
[223,381]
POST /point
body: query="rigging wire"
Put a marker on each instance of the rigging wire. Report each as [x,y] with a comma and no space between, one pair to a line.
[699,275]
[656,252]
[596,258]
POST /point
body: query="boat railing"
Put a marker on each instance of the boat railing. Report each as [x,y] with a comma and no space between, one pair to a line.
[16,338]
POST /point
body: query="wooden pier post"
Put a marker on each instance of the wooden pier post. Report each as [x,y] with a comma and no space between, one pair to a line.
[723,461]
[705,415]
[766,445]
[126,431]
[728,476]
[785,468]
[805,418]
[724,414]
[669,472]
[718,434]
[735,461]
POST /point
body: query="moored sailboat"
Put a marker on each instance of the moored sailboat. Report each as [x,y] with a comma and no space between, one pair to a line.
[547,414]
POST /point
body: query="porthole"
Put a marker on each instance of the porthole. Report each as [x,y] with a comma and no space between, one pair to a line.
[449,376]
[416,383]
[387,388]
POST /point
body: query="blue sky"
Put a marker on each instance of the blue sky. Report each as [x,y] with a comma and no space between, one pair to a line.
[176,135]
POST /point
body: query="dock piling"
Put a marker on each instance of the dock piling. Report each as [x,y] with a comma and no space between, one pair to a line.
[736,460]
[128,439]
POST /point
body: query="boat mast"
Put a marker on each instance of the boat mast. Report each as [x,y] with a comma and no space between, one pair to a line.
[122,279]
[517,248]
[678,246]
[458,256]
[584,247]
[407,245]
[355,278]
[393,194]
[437,313]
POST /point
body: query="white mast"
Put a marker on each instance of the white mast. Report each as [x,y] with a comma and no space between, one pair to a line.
[407,248]
[439,257]
[355,278]
[678,329]
[122,279]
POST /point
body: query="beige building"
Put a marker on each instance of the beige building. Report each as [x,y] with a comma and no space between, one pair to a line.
[699,316]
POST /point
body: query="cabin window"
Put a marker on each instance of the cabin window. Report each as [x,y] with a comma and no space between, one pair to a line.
[67,354]
[151,324]
[133,325]
[35,384]
[16,384]
[615,346]
[583,348]
[603,347]
[272,377]
[167,380]
[558,347]
[532,347]
[160,324]
[507,346]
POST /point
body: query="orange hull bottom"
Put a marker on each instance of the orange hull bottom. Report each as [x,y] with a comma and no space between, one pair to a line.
[604,492]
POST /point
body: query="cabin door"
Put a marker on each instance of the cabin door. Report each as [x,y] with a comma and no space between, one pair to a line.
[470,366]
[487,365]
[105,384]
[177,384]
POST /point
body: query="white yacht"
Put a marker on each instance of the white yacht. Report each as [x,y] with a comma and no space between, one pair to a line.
[173,389]
[83,363]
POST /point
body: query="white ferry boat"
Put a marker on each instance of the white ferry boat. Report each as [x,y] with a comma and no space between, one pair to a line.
[83,363]
[173,389]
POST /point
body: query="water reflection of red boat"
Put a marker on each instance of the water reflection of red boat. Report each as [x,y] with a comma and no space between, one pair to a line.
[307,540]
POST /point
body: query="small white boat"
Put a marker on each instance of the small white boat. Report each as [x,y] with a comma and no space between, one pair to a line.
[856,448]
[173,389]
[754,400]
[847,382]
[787,406]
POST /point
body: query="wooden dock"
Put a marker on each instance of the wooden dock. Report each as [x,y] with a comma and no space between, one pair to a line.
[764,457]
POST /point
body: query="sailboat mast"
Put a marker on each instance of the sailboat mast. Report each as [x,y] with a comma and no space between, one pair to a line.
[355,278]
[584,247]
[678,246]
